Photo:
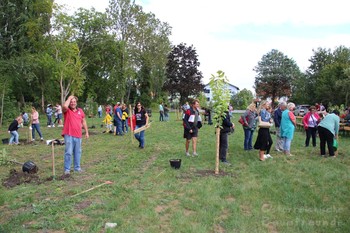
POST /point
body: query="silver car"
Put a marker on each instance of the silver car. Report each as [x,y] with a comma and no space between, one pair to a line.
[301,110]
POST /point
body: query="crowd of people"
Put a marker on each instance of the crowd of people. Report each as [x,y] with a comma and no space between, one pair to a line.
[262,117]
[316,121]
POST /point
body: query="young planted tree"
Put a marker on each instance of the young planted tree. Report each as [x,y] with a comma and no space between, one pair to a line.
[221,100]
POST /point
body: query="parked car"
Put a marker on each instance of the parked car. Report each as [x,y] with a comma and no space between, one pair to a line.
[301,110]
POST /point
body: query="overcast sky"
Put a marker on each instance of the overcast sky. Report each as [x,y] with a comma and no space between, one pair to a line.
[233,36]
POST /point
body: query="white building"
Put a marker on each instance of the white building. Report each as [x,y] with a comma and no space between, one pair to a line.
[209,95]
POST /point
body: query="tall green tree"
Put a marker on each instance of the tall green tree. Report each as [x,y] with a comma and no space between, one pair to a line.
[67,66]
[327,77]
[276,74]
[99,52]
[146,45]
[242,99]
[122,14]
[183,77]
[23,26]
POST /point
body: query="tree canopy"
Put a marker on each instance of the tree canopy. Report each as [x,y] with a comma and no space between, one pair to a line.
[276,74]
[183,77]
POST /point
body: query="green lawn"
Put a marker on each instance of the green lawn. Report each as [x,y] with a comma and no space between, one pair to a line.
[305,193]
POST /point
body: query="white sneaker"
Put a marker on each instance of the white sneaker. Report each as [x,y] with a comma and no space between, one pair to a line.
[187,154]
[265,156]
[53,126]
[49,126]
[269,156]
[195,154]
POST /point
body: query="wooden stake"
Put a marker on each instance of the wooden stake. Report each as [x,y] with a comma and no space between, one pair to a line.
[53,159]
[142,128]
[131,125]
[88,190]
[217,150]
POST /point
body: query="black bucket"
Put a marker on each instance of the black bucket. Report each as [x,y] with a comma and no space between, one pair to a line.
[175,163]
[30,167]
[5,141]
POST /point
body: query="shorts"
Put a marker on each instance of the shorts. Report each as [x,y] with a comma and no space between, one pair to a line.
[59,116]
[189,135]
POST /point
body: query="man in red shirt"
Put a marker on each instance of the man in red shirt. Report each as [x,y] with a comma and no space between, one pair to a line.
[74,118]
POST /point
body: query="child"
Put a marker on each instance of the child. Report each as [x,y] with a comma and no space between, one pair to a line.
[108,123]
[13,130]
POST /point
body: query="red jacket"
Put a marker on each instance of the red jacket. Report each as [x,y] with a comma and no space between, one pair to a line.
[307,117]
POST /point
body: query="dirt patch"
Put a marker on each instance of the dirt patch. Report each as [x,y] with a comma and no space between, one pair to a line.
[16,178]
[83,205]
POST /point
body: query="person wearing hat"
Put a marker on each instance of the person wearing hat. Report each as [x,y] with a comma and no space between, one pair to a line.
[49,115]
[310,122]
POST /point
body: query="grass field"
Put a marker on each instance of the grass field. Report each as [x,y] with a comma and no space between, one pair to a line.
[305,193]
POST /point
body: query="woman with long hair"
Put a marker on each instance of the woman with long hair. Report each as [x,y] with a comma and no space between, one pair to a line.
[264,141]
[141,120]
[36,124]
[249,126]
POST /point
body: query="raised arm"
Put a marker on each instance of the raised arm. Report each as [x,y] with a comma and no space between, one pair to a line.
[66,104]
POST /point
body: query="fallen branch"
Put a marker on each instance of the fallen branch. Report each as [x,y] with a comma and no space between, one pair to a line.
[88,190]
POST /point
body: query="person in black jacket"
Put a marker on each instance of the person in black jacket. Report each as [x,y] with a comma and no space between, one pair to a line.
[13,130]
[227,125]
[192,122]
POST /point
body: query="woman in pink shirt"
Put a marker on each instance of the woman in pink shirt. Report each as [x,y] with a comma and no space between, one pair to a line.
[310,122]
[35,124]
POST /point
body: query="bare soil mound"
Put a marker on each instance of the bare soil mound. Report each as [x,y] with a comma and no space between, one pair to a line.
[17,178]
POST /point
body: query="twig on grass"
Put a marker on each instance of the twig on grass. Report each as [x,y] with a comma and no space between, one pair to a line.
[88,190]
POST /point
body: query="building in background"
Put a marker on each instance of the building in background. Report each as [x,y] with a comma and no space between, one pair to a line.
[209,95]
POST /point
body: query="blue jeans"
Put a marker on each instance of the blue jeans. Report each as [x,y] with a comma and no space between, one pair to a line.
[119,127]
[140,137]
[49,119]
[125,126]
[14,137]
[286,144]
[73,146]
[248,139]
[37,128]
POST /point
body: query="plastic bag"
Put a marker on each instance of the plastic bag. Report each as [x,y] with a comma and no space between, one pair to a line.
[335,144]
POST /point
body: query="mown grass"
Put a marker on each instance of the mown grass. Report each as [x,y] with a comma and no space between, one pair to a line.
[303,194]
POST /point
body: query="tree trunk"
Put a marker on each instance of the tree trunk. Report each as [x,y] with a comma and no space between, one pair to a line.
[42,101]
[2,105]
[217,150]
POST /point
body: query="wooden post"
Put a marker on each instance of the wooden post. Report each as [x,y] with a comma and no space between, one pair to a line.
[131,125]
[30,138]
[217,150]
[53,159]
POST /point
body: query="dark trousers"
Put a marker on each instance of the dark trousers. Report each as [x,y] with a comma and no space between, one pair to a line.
[326,136]
[223,146]
[161,116]
[311,132]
